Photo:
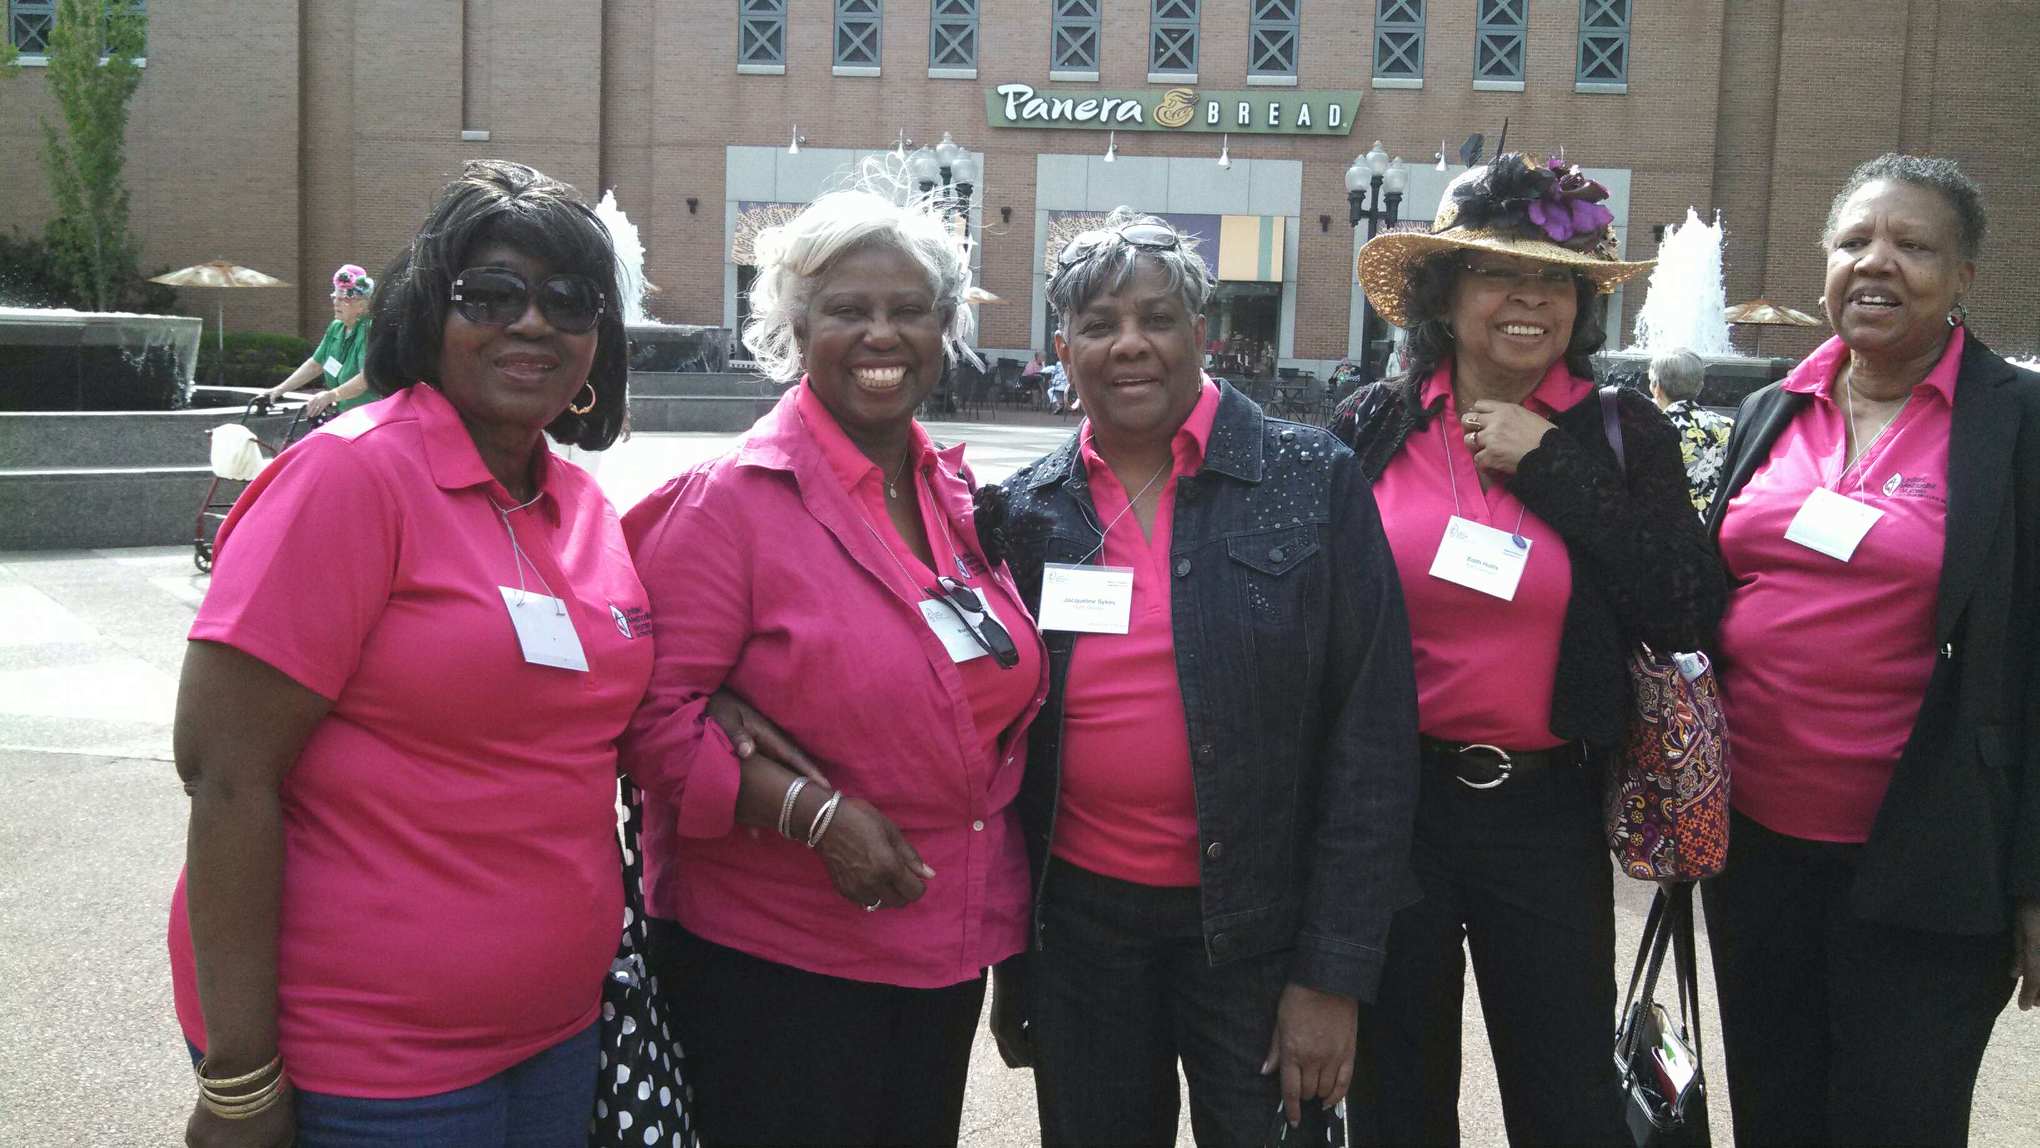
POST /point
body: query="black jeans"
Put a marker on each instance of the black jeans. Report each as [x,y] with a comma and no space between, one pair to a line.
[778,1055]
[1520,874]
[1838,1030]
[1119,991]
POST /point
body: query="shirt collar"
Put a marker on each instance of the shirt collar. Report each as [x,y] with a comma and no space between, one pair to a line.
[1559,390]
[1816,375]
[850,465]
[1189,444]
[450,450]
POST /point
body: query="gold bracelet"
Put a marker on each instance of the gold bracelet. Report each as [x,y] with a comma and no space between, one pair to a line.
[243,1108]
[204,1081]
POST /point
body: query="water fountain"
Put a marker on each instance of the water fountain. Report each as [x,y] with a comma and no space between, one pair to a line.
[56,359]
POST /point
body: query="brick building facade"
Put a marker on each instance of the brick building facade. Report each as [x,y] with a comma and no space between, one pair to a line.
[293,136]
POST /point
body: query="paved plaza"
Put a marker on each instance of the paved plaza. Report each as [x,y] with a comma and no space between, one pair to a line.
[91,838]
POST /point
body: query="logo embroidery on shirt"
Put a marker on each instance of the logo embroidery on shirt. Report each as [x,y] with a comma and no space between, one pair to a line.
[1891,484]
[631,622]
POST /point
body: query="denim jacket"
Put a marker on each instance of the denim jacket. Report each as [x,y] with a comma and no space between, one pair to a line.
[1293,653]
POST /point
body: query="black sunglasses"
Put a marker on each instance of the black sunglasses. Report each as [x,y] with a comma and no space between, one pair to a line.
[1141,236]
[498,297]
[970,610]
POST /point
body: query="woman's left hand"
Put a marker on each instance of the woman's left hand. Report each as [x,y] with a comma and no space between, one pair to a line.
[1500,434]
[2026,952]
[317,404]
[1313,1046]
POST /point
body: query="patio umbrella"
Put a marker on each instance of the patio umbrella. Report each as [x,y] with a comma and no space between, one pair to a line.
[218,273]
[1764,313]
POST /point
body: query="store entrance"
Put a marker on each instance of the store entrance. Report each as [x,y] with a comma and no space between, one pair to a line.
[1241,325]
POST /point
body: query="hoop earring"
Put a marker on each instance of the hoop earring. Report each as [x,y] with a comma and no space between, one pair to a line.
[1958,316]
[590,404]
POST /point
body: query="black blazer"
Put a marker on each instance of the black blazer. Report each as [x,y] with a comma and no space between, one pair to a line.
[1958,835]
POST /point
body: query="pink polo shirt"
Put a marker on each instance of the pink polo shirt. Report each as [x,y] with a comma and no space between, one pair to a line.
[451,891]
[1485,667]
[1127,807]
[781,587]
[1823,663]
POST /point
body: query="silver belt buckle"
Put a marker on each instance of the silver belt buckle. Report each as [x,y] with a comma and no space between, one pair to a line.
[1503,765]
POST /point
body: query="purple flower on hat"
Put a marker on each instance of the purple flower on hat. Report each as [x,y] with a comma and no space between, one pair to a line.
[1571,205]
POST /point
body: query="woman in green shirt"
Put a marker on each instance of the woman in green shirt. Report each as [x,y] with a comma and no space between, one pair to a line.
[336,361]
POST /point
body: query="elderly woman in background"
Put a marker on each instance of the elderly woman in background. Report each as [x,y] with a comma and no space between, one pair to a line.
[1532,561]
[401,892]
[1218,806]
[825,938]
[1675,381]
[337,361]
[1880,524]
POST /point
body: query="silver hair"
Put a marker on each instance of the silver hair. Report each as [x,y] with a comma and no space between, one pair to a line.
[1678,373]
[875,208]
[1106,271]
[1934,173]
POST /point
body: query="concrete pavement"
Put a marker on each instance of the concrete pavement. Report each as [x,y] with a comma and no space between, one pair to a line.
[91,837]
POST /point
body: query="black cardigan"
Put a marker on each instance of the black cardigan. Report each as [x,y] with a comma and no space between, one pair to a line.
[1641,569]
[1958,835]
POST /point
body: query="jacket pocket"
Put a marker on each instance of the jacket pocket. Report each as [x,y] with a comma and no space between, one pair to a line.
[1271,566]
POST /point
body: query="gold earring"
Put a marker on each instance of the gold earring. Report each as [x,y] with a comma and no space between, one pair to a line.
[587,406]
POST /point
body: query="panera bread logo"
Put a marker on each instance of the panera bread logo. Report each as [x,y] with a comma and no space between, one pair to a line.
[1176,109]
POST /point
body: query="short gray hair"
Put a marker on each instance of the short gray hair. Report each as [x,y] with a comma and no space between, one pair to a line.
[1931,172]
[794,255]
[1072,287]
[1678,373]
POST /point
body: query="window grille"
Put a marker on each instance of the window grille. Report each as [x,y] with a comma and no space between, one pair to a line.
[1073,36]
[1272,29]
[1172,37]
[1399,39]
[29,23]
[761,32]
[953,34]
[857,23]
[1604,42]
[1499,28]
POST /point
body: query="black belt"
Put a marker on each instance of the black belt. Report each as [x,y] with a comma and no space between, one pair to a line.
[1480,766]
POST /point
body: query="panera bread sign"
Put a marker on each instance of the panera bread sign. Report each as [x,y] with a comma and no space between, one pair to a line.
[1262,110]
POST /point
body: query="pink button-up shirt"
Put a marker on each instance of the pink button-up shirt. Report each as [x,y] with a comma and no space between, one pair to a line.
[780,587]
[450,892]
[1823,663]
[1127,806]
[1485,667]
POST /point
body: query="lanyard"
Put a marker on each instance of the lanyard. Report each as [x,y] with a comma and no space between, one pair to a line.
[1849,430]
[518,558]
[1452,480]
[1130,503]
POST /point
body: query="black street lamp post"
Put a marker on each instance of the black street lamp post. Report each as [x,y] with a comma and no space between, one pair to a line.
[1374,191]
[952,168]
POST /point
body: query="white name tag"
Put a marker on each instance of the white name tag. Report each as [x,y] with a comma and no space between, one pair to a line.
[1481,558]
[333,367]
[1831,524]
[949,626]
[544,629]
[1086,599]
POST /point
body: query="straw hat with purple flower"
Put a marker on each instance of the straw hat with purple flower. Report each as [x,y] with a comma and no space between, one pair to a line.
[1549,212]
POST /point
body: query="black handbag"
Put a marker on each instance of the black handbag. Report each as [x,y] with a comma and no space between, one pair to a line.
[1663,1089]
[641,1094]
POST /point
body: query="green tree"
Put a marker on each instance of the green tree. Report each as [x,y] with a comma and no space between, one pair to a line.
[83,158]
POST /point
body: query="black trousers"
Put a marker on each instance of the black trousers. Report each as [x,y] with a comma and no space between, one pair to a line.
[778,1055]
[1121,990]
[1520,875]
[1838,1030]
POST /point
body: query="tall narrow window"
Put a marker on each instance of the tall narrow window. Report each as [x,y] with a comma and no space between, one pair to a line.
[1399,39]
[761,32]
[1272,28]
[857,33]
[953,34]
[1604,42]
[1498,40]
[1073,37]
[1172,37]
[29,23]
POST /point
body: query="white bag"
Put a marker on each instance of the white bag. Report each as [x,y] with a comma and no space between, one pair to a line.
[236,454]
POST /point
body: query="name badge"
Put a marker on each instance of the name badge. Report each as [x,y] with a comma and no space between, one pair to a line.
[545,630]
[1832,524]
[1481,558]
[1086,599]
[333,367]
[950,628]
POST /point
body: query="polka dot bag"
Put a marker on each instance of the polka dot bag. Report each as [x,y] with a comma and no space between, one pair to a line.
[641,1095]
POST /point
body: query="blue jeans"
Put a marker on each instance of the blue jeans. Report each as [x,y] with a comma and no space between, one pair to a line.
[543,1102]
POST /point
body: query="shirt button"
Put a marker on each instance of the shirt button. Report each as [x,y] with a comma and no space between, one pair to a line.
[1182,567]
[977,826]
[1214,851]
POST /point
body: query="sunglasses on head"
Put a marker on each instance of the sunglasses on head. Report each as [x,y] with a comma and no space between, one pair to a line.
[969,609]
[498,297]
[1140,236]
